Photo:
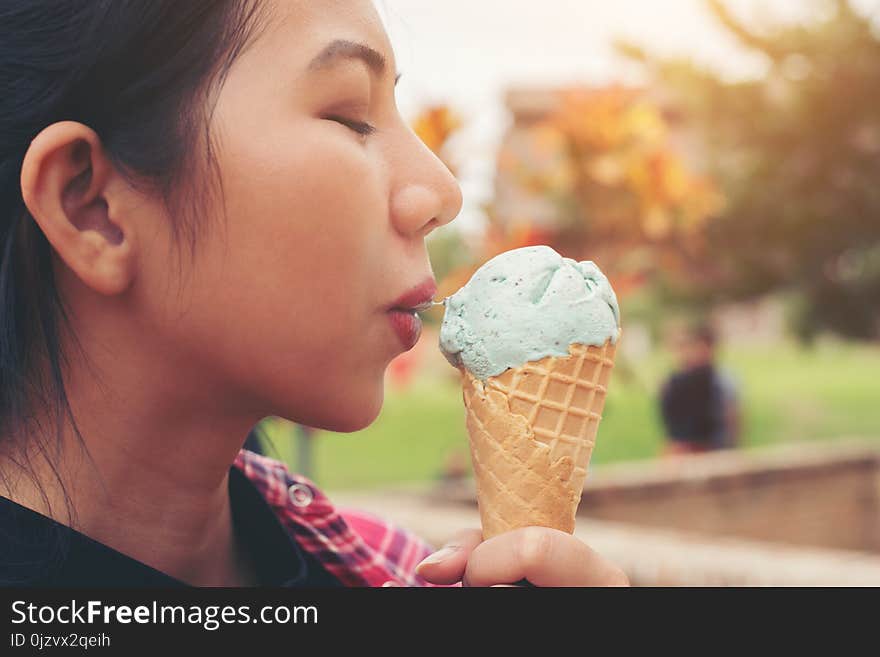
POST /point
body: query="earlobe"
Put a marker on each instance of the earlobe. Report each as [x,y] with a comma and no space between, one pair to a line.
[66,183]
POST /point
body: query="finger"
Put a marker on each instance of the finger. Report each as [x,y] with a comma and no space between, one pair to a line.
[543,556]
[446,565]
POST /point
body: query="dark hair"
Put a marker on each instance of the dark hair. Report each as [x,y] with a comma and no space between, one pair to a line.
[703,331]
[144,75]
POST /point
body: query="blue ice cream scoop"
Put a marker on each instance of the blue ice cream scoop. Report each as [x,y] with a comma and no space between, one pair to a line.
[524,305]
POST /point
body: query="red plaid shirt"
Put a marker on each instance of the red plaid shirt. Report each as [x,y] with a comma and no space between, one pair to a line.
[357,547]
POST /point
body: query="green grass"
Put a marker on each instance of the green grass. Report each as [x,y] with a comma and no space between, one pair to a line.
[788,394]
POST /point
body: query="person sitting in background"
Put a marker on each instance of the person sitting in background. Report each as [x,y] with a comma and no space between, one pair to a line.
[699,402]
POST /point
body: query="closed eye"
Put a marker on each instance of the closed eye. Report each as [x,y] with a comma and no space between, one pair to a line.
[363,129]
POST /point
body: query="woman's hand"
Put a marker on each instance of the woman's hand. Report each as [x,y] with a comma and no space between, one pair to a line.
[543,556]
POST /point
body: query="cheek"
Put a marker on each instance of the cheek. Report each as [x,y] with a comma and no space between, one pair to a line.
[289,288]
[314,240]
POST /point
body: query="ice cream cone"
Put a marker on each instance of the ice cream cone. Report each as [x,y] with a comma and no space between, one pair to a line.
[532,431]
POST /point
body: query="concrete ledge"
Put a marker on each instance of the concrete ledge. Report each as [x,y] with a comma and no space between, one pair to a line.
[823,495]
[719,469]
[793,515]
[736,467]
[650,557]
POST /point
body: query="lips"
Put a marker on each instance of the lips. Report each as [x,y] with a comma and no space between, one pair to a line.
[403,315]
[418,298]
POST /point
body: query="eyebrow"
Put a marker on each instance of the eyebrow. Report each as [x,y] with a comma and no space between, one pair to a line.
[341,50]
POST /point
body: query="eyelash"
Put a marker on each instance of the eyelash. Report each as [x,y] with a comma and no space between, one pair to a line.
[363,129]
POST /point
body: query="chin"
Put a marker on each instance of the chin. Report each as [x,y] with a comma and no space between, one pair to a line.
[352,414]
[352,422]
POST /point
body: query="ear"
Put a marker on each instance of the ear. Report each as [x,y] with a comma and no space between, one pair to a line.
[78,199]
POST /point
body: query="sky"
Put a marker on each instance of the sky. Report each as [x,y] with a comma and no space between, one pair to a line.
[465,53]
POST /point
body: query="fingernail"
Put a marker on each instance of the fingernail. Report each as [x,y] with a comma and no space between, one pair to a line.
[440,555]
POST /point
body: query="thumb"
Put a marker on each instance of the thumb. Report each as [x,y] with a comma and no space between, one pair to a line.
[447,565]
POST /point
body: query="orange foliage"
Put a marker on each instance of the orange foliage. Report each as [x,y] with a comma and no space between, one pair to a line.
[435,126]
[606,158]
[627,199]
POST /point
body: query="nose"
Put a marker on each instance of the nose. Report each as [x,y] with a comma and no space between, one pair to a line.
[425,194]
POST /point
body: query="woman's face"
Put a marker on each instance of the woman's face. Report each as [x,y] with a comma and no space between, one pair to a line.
[287,307]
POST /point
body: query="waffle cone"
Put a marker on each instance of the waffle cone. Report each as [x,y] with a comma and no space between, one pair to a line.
[532,431]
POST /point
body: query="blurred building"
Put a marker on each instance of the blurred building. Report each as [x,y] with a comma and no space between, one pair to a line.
[526,153]
[512,201]
[528,107]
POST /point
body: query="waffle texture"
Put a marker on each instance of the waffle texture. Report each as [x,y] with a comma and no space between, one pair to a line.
[532,431]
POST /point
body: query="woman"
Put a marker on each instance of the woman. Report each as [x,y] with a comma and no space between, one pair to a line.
[211,212]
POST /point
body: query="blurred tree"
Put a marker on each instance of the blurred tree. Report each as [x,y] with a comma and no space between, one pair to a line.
[628,198]
[798,156]
[451,255]
[621,192]
[436,125]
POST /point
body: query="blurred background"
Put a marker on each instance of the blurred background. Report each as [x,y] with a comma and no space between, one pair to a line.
[720,161]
